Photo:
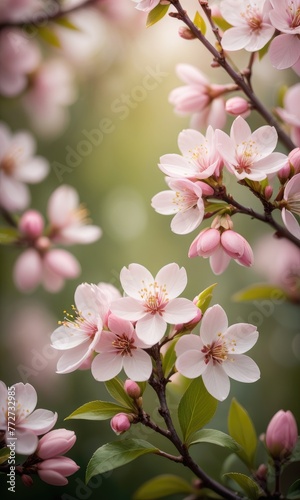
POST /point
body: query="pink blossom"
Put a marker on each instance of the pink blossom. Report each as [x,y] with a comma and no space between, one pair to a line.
[18,166]
[29,423]
[250,155]
[31,224]
[199,160]
[291,198]
[294,160]
[56,470]
[185,200]
[52,89]
[199,98]
[238,106]
[290,113]
[44,265]
[146,5]
[251,26]
[284,50]
[120,423]
[79,333]
[218,353]
[152,302]
[282,435]
[220,247]
[54,443]
[118,348]
[19,57]
[68,219]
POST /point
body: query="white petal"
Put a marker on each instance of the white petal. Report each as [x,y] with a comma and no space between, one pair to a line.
[33,171]
[240,131]
[128,308]
[79,234]
[163,203]
[241,337]
[241,368]
[151,328]
[26,442]
[216,381]
[86,302]
[138,367]
[174,278]
[65,337]
[106,366]
[284,51]
[191,364]
[134,279]
[188,140]
[236,38]
[14,195]
[176,166]
[73,358]
[26,400]
[180,311]
[213,322]
[189,342]
[185,222]
[39,422]
[291,223]
[63,201]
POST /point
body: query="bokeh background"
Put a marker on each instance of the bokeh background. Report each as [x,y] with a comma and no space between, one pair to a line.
[116,181]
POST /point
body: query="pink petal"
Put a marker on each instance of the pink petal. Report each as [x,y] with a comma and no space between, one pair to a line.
[106,366]
[151,329]
[120,326]
[191,364]
[284,51]
[26,399]
[14,196]
[189,342]
[291,223]
[52,477]
[292,187]
[216,381]
[39,422]
[73,358]
[33,171]
[62,263]
[240,131]
[135,278]
[240,337]
[188,140]
[138,367]
[173,278]
[175,165]
[187,221]
[65,337]
[241,368]
[63,201]
[216,113]
[128,308]
[219,261]
[163,203]
[86,302]
[236,38]
[79,234]
[51,281]
[213,322]
[179,311]
[191,75]
[26,442]
[27,270]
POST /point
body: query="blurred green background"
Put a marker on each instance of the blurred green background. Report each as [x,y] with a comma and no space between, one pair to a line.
[116,181]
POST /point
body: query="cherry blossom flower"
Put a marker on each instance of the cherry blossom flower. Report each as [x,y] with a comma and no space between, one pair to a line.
[185,200]
[152,302]
[290,113]
[218,353]
[121,348]
[79,333]
[29,423]
[68,219]
[56,470]
[220,247]
[54,443]
[291,198]
[199,160]
[250,155]
[146,5]
[284,50]
[251,26]
[17,167]
[19,57]
[199,97]
[51,90]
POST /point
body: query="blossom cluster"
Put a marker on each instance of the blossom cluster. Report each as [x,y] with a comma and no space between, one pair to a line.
[108,333]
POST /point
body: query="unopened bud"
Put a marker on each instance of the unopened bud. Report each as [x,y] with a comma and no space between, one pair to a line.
[281,435]
[186,33]
[268,191]
[294,160]
[262,472]
[31,224]
[120,423]
[238,106]
[284,173]
[132,388]
[27,480]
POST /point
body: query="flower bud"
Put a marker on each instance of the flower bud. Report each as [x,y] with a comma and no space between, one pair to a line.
[54,443]
[120,423]
[294,160]
[268,191]
[186,33]
[31,224]
[238,106]
[27,480]
[284,173]
[281,435]
[262,472]
[56,470]
[132,388]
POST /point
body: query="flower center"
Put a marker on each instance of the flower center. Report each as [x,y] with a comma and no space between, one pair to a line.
[8,165]
[155,298]
[76,320]
[199,156]
[217,351]
[123,345]
[184,200]
[245,155]
[293,204]
[252,17]
[295,21]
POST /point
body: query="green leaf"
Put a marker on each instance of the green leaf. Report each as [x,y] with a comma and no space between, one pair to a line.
[215,437]
[205,297]
[49,36]
[115,454]
[115,387]
[263,51]
[8,235]
[66,23]
[250,487]
[98,410]
[142,386]
[216,207]
[259,291]
[4,455]
[162,486]
[294,491]
[156,14]
[221,23]
[169,357]
[242,430]
[200,23]
[196,408]
[281,95]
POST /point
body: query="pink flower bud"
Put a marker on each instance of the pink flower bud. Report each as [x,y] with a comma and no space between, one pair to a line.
[31,224]
[281,434]
[294,160]
[186,33]
[120,423]
[132,388]
[284,173]
[262,472]
[268,192]
[56,470]
[238,106]
[205,243]
[54,443]
[237,247]
[27,480]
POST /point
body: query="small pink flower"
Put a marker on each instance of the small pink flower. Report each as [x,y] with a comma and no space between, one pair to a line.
[218,353]
[120,423]
[29,423]
[284,50]
[152,302]
[56,470]
[18,166]
[290,113]
[238,106]
[251,26]
[68,219]
[54,443]
[220,247]
[199,98]
[282,435]
[118,348]
[291,197]
[250,155]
